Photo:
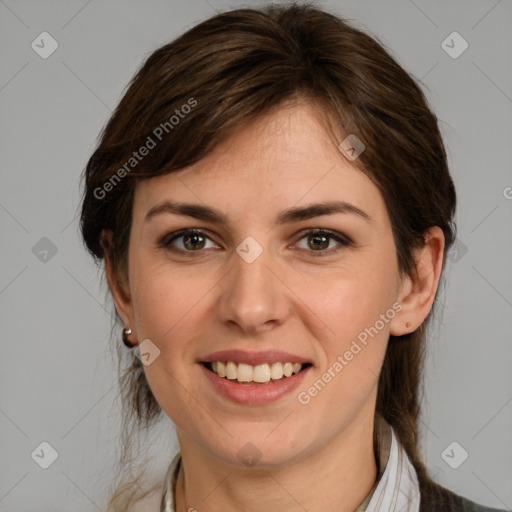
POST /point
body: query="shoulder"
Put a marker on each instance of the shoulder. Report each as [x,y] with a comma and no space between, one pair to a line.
[471,506]
[439,499]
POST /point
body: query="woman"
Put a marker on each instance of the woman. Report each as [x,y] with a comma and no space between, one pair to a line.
[273,206]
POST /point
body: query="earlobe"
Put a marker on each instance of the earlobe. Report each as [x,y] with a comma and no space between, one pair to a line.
[417,292]
[401,324]
[120,295]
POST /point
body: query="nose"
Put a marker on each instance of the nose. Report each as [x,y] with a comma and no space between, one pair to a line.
[254,297]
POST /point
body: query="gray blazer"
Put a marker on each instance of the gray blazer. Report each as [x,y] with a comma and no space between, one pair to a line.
[440,499]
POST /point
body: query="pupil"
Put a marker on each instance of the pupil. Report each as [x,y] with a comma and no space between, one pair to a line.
[321,237]
[188,239]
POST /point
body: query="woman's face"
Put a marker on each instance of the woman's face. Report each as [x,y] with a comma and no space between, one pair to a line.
[262,283]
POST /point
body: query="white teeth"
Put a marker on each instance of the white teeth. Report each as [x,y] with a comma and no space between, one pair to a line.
[231,370]
[244,373]
[276,372]
[261,373]
[221,369]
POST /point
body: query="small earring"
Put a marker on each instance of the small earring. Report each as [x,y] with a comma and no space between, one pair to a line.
[126,341]
[408,324]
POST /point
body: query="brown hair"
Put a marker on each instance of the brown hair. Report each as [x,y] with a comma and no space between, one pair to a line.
[239,65]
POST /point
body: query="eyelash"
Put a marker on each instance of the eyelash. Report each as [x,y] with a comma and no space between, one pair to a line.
[344,241]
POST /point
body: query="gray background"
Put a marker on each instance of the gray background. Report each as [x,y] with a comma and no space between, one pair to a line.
[57,382]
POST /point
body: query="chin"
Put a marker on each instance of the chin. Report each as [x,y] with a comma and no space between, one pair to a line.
[260,451]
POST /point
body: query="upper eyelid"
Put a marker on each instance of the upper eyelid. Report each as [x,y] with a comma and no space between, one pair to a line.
[169,237]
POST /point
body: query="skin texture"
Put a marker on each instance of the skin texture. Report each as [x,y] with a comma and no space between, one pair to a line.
[317,455]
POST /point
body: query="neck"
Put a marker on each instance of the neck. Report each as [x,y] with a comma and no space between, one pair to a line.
[339,476]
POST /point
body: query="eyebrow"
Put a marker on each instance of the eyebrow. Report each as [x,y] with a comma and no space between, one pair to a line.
[295,214]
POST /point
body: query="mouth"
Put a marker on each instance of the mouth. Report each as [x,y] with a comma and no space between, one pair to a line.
[266,373]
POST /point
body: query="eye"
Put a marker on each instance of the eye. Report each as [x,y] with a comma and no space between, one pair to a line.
[319,240]
[190,240]
[194,240]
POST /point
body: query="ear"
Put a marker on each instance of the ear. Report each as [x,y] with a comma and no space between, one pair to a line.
[118,285]
[417,293]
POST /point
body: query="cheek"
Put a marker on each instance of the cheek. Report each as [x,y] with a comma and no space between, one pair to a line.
[159,305]
[358,313]
[352,302]
[357,351]
[357,308]
[169,307]
[169,304]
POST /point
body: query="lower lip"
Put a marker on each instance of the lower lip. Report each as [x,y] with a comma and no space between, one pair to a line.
[255,394]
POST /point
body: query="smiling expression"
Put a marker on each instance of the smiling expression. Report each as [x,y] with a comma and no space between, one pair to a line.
[291,257]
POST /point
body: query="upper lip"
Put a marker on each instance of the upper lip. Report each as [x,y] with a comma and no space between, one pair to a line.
[254,358]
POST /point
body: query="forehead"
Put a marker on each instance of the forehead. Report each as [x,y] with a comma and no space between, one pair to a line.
[279,160]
